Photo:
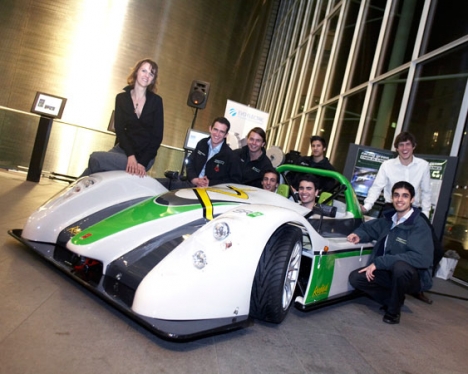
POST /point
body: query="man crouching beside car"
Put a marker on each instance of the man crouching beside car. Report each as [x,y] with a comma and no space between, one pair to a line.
[401,260]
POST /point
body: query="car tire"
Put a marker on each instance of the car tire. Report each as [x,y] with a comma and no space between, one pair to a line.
[277,275]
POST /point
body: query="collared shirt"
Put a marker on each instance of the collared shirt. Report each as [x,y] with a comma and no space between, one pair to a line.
[393,171]
[211,152]
[397,222]
[402,219]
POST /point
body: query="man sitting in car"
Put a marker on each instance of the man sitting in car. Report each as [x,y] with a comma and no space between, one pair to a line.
[270,180]
[308,190]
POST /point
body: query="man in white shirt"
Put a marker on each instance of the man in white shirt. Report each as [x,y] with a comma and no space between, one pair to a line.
[405,167]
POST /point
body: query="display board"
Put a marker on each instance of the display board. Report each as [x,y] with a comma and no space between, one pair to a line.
[243,118]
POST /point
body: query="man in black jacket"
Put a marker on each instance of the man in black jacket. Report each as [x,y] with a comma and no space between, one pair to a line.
[212,161]
[253,158]
[401,260]
[316,160]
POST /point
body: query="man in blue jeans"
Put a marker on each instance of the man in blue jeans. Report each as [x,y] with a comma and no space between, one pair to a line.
[402,258]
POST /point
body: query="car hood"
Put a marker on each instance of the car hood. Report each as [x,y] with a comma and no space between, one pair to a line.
[166,212]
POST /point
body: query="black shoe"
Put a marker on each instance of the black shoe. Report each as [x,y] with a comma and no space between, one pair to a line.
[422,297]
[391,318]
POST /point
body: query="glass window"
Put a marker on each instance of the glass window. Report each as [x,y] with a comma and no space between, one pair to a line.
[401,34]
[337,75]
[273,100]
[293,133]
[307,21]
[447,22]
[282,132]
[312,5]
[381,121]
[325,58]
[326,125]
[263,97]
[307,81]
[288,31]
[367,42]
[272,134]
[322,10]
[284,7]
[299,19]
[305,143]
[436,99]
[285,92]
[347,127]
[278,50]
[295,81]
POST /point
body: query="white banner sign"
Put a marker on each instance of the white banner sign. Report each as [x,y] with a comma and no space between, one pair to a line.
[243,119]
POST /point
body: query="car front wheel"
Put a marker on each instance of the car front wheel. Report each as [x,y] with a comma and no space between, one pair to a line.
[277,275]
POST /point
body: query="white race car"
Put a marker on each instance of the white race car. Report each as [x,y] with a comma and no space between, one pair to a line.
[199,261]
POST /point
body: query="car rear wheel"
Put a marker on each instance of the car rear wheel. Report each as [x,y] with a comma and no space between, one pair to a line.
[276,276]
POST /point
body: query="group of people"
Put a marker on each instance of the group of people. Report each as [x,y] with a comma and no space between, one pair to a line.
[402,258]
[214,162]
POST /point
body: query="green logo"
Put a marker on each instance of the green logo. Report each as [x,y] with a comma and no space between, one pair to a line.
[254,214]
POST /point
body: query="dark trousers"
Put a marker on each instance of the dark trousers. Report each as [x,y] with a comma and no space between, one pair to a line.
[389,286]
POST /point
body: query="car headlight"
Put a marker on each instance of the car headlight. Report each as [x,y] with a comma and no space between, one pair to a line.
[199,260]
[221,230]
[75,188]
[80,185]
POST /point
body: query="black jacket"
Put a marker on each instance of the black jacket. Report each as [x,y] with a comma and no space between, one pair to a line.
[224,167]
[142,136]
[252,171]
[410,241]
[326,184]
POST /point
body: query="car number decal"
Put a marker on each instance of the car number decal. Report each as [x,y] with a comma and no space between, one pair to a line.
[206,202]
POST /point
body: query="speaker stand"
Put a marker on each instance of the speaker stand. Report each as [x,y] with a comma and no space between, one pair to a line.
[194,118]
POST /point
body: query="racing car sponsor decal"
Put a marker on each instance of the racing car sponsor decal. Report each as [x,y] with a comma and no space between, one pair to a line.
[324,267]
[248,213]
[74,230]
[165,205]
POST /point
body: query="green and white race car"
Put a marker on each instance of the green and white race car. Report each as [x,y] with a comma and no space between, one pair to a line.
[198,261]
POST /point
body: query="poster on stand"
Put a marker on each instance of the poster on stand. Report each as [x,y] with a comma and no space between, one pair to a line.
[49,106]
[243,118]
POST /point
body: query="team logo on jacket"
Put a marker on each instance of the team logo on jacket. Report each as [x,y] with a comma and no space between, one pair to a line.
[218,162]
[401,240]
